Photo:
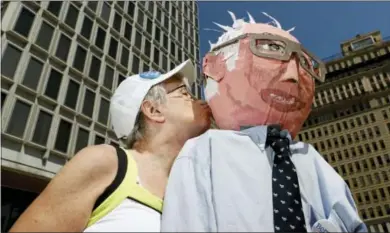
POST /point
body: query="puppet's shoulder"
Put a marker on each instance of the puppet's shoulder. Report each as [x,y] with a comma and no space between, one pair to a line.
[215,137]
[205,145]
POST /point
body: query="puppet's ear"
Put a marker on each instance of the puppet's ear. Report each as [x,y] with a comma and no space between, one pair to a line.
[214,66]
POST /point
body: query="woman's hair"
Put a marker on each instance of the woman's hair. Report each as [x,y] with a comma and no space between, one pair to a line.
[156,94]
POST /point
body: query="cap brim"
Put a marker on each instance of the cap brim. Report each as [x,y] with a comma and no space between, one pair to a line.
[186,69]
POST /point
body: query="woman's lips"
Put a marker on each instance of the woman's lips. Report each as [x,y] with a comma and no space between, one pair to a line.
[281,100]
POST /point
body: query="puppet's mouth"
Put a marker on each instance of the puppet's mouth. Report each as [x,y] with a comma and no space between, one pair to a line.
[281,101]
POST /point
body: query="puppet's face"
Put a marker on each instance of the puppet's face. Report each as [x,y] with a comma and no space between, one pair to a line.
[245,89]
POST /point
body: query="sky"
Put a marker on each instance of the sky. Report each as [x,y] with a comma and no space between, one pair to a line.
[320,26]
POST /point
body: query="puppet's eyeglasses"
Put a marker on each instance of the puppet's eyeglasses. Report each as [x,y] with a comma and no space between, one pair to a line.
[279,48]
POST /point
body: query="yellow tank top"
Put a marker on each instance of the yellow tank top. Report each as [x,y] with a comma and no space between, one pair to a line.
[124,186]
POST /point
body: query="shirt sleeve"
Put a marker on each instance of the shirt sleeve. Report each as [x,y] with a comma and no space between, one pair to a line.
[337,198]
[188,202]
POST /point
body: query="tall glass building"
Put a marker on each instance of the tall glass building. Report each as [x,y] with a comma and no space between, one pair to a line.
[61,61]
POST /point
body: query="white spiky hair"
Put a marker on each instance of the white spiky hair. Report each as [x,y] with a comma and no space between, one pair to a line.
[237,27]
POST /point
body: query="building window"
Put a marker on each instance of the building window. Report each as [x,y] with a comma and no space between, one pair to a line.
[71,17]
[24,23]
[100,38]
[380,161]
[149,26]
[335,142]
[42,128]
[125,57]
[117,22]
[94,69]
[54,7]
[372,117]
[356,136]
[369,178]
[357,165]
[173,30]
[3,97]
[99,140]
[371,212]
[362,181]
[72,94]
[384,175]
[92,5]
[374,145]
[44,37]
[128,30]
[63,48]
[164,63]
[108,77]
[33,73]
[321,143]
[166,22]
[382,144]
[19,118]
[105,14]
[360,150]
[10,61]
[140,19]
[338,126]
[331,127]
[158,14]
[87,27]
[165,41]
[147,48]
[156,56]
[79,60]
[135,67]
[121,78]
[372,162]
[157,34]
[359,198]
[121,4]
[359,122]
[364,215]
[138,40]
[146,67]
[89,103]
[103,111]
[82,139]
[366,197]
[130,9]
[151,7]
[173,49]
[53,84]
[63,135]
[384,114]
[349,138]
[377,131]
[379,211]
[368,149]
[342,140]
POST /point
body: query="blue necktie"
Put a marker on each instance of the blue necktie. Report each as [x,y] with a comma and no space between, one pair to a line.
[288,213]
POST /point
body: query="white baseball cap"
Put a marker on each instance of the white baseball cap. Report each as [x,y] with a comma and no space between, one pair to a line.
[128,97]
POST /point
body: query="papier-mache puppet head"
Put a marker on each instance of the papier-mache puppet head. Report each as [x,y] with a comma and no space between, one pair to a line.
[259,74]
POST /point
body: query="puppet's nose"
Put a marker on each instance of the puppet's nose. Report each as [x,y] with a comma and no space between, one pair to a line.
[291,74]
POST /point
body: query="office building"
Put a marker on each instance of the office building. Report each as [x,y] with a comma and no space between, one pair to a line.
[61,61]
[350,124]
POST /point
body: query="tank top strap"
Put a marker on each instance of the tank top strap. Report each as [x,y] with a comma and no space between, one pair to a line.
[124,186]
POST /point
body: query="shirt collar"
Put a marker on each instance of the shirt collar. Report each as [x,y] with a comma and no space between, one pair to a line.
[258,134]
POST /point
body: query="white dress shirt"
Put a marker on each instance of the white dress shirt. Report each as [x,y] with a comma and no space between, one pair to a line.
[222,181]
